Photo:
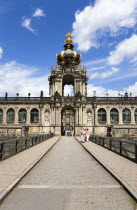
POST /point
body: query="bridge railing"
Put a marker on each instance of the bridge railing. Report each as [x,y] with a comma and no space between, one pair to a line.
[12,147]
[124,148]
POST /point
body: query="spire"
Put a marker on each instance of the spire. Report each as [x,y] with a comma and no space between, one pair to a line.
[68,41]
[68,56]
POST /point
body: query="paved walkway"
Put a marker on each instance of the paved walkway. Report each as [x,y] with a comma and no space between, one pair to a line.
[14,168]
[68,178]
[122,168]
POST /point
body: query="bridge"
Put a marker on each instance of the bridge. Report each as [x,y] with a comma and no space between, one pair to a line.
[64,173]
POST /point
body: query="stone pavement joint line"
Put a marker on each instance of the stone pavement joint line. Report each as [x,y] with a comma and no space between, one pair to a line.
[69,187]
[124,170]
[13,169]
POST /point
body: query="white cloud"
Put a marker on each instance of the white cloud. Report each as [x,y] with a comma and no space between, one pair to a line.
[101,92]
[38,13]
[104,75]
[68,90]
[15,77]
[26,22]
[105,16]
[94,62]
[1,52]
[96,68]
[23,79]
[125,49]
[133,89]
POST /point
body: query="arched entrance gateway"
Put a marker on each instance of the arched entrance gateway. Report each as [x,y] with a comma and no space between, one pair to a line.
[68,121]
[67,104]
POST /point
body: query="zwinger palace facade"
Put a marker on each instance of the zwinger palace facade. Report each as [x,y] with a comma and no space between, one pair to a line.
[59,113]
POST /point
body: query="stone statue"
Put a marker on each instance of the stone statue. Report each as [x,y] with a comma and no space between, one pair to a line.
[47,117]
[89,117]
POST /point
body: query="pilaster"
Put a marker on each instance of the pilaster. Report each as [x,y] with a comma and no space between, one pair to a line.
[120,116]
[16,116]
[40,116]
[108,115]
[133,115]
[77,115]
[96,116]
[28,116]
[4,116]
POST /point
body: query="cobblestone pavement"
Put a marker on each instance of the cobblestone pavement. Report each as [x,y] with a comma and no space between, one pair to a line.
[124,168]
[68,178]
[12,168]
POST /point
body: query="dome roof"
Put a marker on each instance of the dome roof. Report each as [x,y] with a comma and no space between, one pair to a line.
[68,56]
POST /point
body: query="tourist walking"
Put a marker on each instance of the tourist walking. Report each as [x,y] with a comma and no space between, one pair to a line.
[83,134]
[87,134]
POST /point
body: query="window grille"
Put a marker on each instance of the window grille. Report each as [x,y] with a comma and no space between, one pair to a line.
[1,115]
[34,115]
[101,115]
[10,115]
[136,115]
[126,115]
[114,116]
[22,115]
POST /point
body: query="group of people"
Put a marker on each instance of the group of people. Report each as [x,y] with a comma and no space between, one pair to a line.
[85,134]
[69,133]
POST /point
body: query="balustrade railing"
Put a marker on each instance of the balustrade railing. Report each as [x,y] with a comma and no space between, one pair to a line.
[12,147]
[124,148]
[89,99]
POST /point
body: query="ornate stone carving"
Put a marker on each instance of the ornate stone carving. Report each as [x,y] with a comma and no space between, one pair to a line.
[89,117]
[47,117]
[58,96]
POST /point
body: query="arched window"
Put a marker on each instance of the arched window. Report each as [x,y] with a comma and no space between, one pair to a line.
[136,115]
[126,115]
[114,117]
[1,115]
[10,115]
[68,85]
[22,115]
[101,115]
[34,115]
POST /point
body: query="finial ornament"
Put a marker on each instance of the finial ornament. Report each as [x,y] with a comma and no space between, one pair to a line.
[68,57]
[68,39]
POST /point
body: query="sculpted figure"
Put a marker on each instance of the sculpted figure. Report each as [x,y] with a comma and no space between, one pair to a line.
[47,117]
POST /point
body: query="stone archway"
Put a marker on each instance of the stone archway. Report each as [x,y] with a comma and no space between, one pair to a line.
[68,79]
[67,119]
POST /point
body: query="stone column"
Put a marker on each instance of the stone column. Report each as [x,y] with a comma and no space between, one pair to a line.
[120,116]
[53,88]
[4,116]
[40,116]
[58,121]
[52,116]
[43,116]
[28,116]
[58,116]
[84,116]
[77,115]
[80,115]
[108,115]
[16,121]
[96,116]
[133,115]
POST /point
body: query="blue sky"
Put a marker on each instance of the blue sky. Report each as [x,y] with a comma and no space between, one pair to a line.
[32,32]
